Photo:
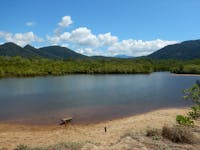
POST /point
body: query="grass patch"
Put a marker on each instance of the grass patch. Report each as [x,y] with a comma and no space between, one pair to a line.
[178,134]
[153,132]
[61,146]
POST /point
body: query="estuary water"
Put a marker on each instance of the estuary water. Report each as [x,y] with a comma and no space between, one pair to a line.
[89,98]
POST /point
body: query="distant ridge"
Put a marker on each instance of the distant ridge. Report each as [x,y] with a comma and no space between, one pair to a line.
[11,49]
[62,52]
[123,56]
[50,52]
[183,51]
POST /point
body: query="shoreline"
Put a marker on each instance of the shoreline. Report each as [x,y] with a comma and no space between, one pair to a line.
[186,74]
[12,135]
[37,123]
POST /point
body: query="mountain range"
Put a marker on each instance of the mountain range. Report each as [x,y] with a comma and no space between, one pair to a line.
[182,51]
[50,52]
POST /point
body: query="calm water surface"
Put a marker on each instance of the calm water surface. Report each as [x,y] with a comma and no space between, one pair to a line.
[88,98]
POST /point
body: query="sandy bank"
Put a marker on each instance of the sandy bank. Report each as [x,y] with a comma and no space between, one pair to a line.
[12,135]
[186,74]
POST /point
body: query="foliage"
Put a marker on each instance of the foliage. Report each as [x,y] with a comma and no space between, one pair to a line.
[20,67]
[24,67]
[22,147]
[178,134]
[184,120]
[193,94]
[195,112]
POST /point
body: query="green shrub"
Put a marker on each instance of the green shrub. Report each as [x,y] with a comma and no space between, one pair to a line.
[195,112]
[178,134]
[22,147]
[193,94]
[184,120]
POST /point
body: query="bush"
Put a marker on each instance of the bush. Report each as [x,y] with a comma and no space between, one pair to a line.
[153,132]
[195,112]
[184,120]
[178,134]
[22,147]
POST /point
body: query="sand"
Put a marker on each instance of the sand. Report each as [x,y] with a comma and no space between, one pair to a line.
[176,74]
[12,135]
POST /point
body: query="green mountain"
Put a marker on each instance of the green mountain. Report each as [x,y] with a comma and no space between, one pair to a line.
[41,53]
[182,51]
[11,49]
[62,52]
[51,52]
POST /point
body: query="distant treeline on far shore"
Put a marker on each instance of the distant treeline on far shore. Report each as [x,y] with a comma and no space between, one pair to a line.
[24,67]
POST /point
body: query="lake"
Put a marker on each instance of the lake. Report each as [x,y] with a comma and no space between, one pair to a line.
[89,98]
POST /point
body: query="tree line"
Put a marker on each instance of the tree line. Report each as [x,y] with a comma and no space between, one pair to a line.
[22,67]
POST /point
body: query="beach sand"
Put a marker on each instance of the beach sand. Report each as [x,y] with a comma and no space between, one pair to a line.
[12,135]
[176,74]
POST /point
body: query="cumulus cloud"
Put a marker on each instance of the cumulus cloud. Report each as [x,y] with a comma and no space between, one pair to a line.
[107,39]
[90,51]
[64,23]
[128,47]
[84,41]
[137,47]
[20,38]
[29,24]
[83,36]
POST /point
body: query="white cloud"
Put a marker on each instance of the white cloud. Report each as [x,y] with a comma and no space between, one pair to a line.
[84,41]
[65,45]
[89,51]
[83,36]
[107,39]
[20,38]
[29,24]
[137,47]
[64,23]
[53,40]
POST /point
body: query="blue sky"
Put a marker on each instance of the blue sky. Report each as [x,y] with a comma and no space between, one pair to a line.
[100,27]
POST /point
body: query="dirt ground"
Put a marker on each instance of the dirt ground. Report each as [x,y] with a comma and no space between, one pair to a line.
[12,135]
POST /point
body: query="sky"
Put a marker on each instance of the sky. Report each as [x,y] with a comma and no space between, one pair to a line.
[100,27]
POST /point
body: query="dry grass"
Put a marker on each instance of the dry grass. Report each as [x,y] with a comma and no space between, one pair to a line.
[60,146]
[153,132]
[178,134]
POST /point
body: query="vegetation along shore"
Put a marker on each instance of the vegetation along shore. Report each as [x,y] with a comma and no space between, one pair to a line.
[16,61]
[27,67]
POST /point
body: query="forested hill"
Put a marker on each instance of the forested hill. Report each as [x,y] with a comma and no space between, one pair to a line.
[183,51]
[50,52]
